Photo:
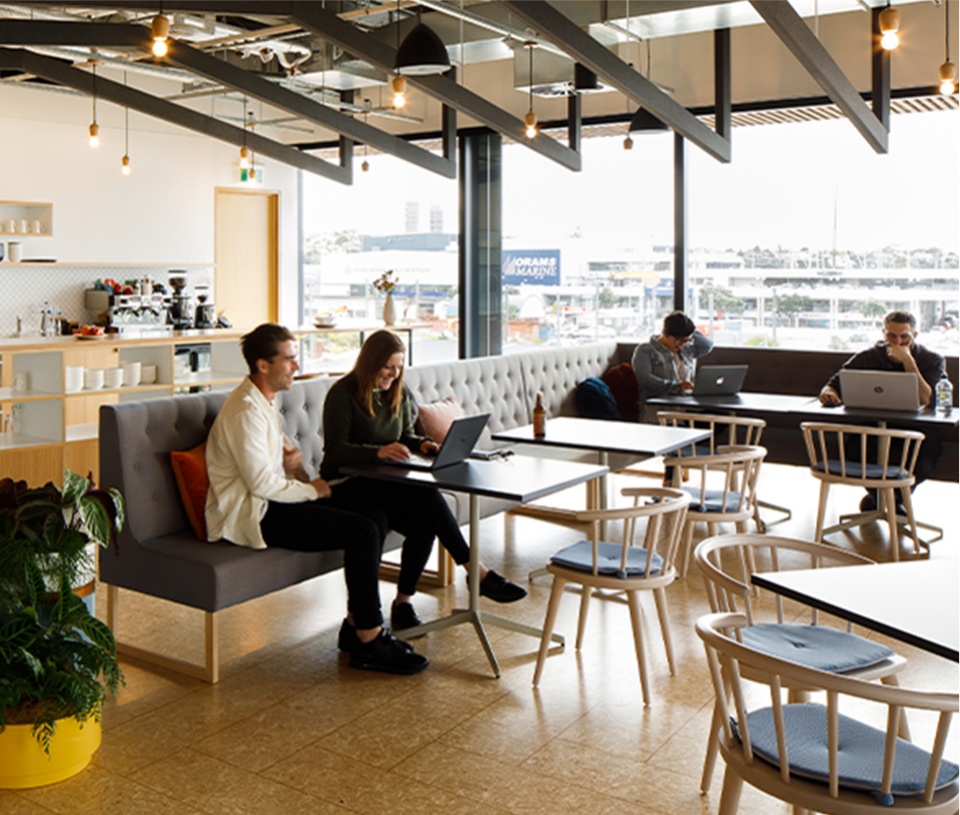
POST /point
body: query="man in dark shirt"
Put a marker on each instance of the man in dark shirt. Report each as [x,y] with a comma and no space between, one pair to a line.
[898,351]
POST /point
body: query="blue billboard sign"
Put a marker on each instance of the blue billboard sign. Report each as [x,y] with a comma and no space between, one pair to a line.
[538,266]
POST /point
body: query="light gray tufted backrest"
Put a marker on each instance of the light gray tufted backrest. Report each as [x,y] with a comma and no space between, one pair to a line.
[556,372]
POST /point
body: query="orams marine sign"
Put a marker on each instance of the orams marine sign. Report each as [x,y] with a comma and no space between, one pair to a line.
[539,267]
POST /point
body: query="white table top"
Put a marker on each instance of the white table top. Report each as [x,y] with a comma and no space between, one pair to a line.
[916,601]
[633,438]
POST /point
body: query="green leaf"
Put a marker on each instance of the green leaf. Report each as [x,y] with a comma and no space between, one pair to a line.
[74,486]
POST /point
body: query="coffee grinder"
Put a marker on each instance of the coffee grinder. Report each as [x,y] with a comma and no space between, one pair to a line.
[180,313]
[206,315]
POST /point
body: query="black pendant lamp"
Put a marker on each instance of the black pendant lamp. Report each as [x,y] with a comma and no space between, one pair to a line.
[422,53]
[644,121]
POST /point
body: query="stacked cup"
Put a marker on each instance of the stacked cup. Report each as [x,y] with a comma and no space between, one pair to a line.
[93,379]
[131,374]
[72,378]
[112,377]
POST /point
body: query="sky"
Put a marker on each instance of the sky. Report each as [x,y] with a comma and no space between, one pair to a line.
[781,190]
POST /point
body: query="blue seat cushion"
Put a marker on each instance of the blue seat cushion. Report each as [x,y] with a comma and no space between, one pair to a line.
[712,500]
[816,646]
[855,470]
[860,758]
[579,556]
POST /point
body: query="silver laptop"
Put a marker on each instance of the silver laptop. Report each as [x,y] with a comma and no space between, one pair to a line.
[880,390]
[457,446]
[719,380]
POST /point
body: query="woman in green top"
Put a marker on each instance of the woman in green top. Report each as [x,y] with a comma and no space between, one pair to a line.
[368,416]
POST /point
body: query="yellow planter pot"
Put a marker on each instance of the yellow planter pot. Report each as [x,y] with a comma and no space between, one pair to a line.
[23,763]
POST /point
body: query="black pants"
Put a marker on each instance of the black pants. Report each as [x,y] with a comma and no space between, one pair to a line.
[420,514]
[930,449]
[328,525]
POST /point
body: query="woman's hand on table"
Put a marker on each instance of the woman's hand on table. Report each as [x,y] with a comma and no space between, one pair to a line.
[429,447]
[393,452]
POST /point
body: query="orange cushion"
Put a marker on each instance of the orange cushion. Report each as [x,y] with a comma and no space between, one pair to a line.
[435,419]
[190,470]
[622,382]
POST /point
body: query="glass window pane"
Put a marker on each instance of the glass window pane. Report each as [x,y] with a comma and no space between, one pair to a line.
[395,216]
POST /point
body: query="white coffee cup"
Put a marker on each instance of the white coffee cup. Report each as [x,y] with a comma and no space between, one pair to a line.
[37,228]
[15,251]
[93,379]
[131,374]
[12,226]
[24,227]
[72,378]
[112,377]
[148,374]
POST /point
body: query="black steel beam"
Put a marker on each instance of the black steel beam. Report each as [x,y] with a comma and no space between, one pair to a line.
[183,56]
[63,74]
[553,25]
[810,53]
[880,73]
[329,26]
[723,116]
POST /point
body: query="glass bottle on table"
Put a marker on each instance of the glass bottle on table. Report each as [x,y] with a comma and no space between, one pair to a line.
[944,395]
[539,418]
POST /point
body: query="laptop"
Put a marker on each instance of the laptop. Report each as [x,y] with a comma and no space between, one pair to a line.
[457,446]
[719,380]
[880,390]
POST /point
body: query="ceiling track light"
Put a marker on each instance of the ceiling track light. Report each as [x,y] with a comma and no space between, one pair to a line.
[94,129]
[889,26]
[160,30]
[948,71]
[530,120]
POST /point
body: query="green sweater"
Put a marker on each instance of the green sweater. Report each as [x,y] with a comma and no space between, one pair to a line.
[352,436]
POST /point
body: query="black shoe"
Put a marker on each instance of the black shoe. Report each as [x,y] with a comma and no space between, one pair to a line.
[347,638]
[868,503]
[403,616]
[386,654]
[500,590]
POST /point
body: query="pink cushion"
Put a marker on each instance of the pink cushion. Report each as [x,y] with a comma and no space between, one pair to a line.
[434,420]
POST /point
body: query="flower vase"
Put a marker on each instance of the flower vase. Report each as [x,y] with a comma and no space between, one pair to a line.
[389,311]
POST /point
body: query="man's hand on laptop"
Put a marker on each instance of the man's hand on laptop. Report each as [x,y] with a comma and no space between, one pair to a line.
[393,452]
[686,385]
[828,396]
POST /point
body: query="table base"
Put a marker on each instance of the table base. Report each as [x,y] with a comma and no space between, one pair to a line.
[464,616]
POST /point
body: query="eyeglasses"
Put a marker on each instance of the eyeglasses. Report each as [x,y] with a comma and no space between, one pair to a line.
[684,340]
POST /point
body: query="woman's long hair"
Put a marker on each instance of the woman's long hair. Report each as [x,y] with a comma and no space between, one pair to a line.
[373,356]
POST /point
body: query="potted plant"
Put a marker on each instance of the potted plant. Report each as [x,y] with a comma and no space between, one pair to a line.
[57,660]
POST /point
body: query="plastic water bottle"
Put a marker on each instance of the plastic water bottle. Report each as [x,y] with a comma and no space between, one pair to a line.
[944,393]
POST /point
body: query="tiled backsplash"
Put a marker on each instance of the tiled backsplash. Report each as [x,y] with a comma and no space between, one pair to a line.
[26,288]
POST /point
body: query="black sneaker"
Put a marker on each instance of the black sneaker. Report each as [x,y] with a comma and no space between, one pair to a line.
[499,589]
[348,637]
[386,654]
[868,503]
[403,616]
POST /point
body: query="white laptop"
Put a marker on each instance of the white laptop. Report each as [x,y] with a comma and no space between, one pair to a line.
[457,446]
[719,380]
[880,390]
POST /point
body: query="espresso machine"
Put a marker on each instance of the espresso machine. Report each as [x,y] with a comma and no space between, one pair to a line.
[180,310]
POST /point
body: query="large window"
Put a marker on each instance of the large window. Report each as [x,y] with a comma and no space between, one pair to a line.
[394,217]
[808,237]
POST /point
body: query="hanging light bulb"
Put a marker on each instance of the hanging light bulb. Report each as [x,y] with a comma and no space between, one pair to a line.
[399,87]
[889,26]
[530,120]
[365,167]
[244,150]
[94,129]
[125,161]
[948,71]
[159,30]
[628,143]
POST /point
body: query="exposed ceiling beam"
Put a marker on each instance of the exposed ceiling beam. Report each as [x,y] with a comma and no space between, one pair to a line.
[327,25]
[561,31]
[804,45]
[59,72]
[270,93]
[27,32]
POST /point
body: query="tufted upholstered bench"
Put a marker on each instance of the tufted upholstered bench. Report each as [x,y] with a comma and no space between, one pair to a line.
[159,555]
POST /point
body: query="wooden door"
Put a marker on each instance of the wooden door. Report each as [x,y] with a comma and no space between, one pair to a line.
[246,277]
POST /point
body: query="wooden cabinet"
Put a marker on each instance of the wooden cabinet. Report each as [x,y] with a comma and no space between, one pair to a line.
[44,427]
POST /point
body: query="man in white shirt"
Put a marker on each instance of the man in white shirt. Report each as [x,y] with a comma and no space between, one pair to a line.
[260,496]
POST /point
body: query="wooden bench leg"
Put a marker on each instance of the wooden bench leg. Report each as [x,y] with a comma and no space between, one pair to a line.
[208,672]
